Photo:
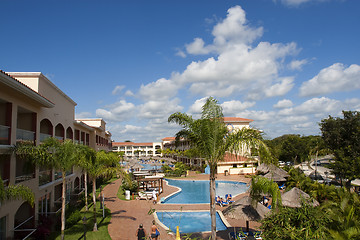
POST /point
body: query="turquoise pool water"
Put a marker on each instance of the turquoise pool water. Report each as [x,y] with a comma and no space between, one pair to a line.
[198,191]
[190,222]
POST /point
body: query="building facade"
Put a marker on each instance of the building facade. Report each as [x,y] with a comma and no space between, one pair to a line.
[33,109]
[231,164]
[131,149]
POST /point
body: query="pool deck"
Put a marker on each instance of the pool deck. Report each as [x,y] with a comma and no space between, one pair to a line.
[127,215]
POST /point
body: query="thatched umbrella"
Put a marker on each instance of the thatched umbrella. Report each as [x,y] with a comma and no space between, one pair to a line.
[295,197]
[136,166]
[244,210]
[275,177]
[266,168]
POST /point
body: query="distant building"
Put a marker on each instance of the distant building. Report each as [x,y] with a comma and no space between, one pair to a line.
[232,164]
[131,149]
[33,109]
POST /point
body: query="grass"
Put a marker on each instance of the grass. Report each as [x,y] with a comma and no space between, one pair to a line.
[76,232]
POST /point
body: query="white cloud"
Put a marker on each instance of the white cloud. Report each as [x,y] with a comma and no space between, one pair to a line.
[162,89]
[117,89]
[233,107]
[335,78]
[159,109]
[83,115]
[117,112]
[197,47]
[297,64]
[129,93]
[280,89]
[285,103]
[196,108]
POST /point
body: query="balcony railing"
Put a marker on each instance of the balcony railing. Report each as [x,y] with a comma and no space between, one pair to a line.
[44,136]
[24,177]
[25,135]
[59,138]
[44,177]
[4,135]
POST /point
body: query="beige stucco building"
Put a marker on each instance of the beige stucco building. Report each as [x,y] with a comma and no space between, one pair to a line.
[32,108]
[232,164]
[131,149]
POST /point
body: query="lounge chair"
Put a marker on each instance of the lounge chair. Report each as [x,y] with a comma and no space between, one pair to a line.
[282,187]
[237,236]
[144,195]
[226,197]
[221,203]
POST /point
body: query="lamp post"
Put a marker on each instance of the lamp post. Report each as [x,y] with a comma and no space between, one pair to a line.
[84,223]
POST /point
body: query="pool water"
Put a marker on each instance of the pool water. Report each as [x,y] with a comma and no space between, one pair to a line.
[190,222]
[193,192]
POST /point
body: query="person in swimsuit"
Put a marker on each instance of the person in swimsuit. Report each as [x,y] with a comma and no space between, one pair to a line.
[140,233]
[154,235]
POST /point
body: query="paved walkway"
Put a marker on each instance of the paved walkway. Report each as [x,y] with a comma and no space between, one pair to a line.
[127,215]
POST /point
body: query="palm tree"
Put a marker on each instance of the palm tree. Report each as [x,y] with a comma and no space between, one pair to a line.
[87,156]
[53,154]
[343,214]
[14,192]
[210,137]
[103,165]
[261,185]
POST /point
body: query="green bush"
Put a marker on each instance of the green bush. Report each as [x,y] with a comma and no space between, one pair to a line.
[73,218]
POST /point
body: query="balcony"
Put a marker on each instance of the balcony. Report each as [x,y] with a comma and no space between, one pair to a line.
[44,177]
[25,135]
[4,135]
[44,136]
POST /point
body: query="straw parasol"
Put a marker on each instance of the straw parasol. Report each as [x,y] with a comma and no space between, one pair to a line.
[275,177]
[136,165]
[244,210]
[266,168]
[295,197]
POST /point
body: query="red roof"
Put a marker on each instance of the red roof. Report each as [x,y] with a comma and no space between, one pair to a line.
[237,119]
[131,144]
[168,139]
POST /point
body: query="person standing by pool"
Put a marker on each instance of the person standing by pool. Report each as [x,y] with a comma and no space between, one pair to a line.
[154,196]
[140,233]
[154,231]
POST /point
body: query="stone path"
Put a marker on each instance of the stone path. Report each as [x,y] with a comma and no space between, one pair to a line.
[127,215]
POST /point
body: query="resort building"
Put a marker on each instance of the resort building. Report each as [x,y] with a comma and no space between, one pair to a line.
[131,149]
[33,109]
[232,164]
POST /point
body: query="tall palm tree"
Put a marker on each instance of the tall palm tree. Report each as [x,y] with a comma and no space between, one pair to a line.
[59,155]
[14,192]
[87,156]
[210,137]
[104,164]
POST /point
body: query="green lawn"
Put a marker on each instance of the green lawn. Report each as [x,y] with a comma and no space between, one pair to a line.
[76,231]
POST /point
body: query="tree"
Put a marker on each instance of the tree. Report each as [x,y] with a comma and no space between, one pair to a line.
[210,137]
[102,165]
[53,154]
[260,186]
[305,222]
[14,192]
[87,156]
[342,137]
[343,213]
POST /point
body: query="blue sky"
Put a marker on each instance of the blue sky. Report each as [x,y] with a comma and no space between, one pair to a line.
[286,64]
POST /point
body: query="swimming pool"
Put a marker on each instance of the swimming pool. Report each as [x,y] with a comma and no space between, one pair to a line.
[198,191]
[189,222]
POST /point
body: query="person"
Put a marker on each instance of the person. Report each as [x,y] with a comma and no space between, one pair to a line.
[140,233]
[154,196]
[154,231]
[266,202]
[228,198]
